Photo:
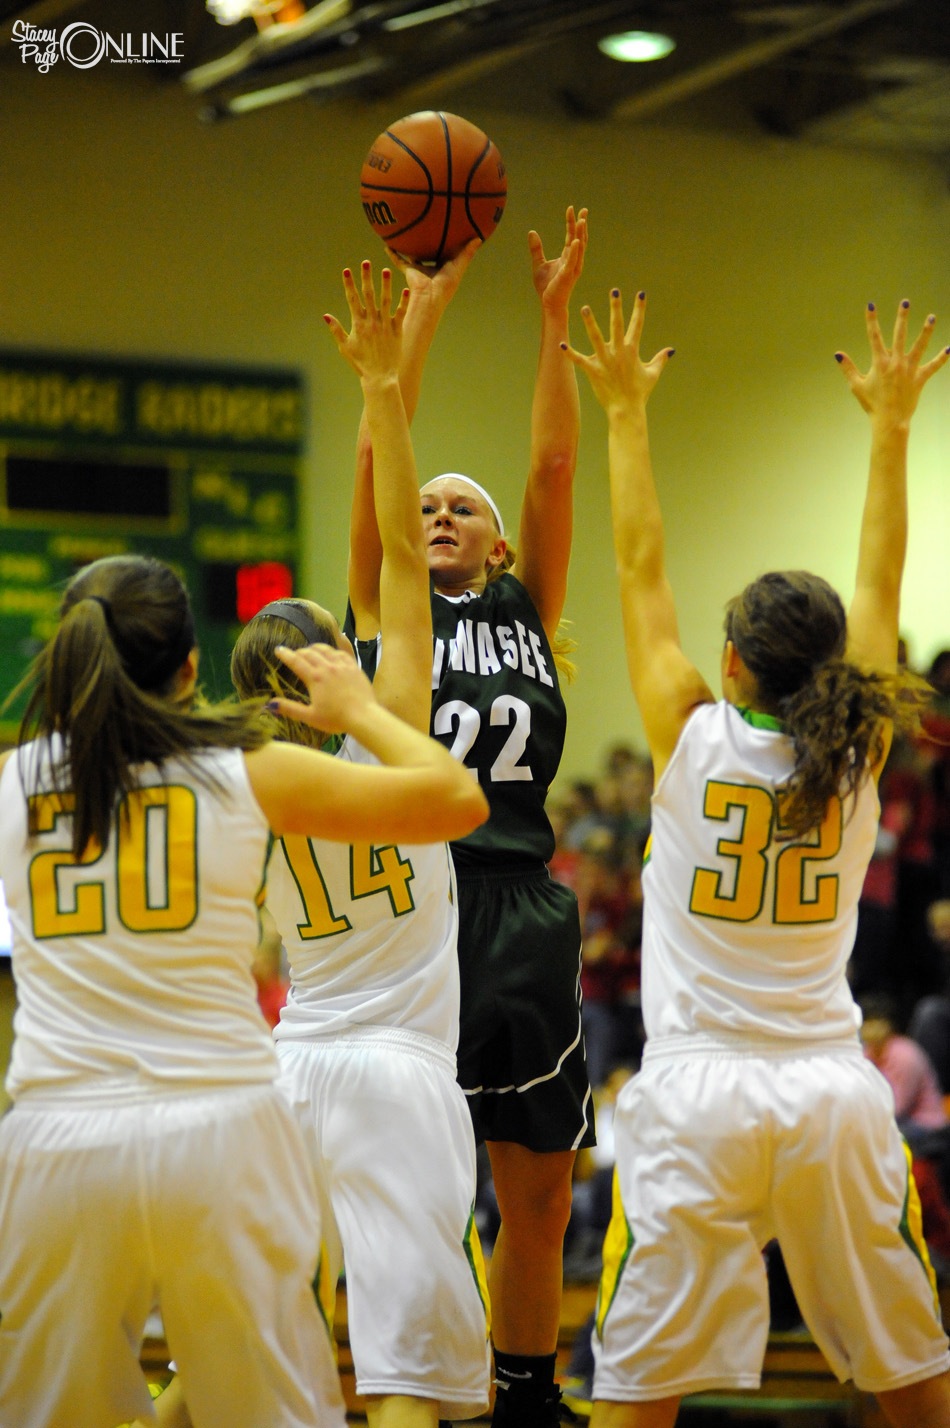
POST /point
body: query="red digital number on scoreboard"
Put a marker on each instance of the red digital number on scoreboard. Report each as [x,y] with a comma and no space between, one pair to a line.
[258,585]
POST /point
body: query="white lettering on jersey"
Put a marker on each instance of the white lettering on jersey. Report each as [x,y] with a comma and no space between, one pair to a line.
[509,650]
[438,659]
[488,661]
[473,650]
[462,648]
[543,675]
[526,664]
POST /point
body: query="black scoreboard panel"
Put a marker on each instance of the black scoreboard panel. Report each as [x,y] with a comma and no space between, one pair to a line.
[197,465]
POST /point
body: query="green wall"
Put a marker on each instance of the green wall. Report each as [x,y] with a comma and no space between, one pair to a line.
[129,228]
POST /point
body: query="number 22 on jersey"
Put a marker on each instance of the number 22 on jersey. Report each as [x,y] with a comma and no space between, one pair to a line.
[738,889]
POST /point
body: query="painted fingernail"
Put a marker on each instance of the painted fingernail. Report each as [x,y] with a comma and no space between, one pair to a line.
[671,351]
[839,356]
[563,346]
[870,307]
[271,706]
[327,318]
[905,303]
[641,296]
[614,292]
[931,319]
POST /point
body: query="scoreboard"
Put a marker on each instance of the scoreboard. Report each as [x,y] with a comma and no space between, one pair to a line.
[197,465]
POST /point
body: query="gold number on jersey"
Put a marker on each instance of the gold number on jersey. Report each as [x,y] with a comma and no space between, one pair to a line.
[320,920]
[738,892]
[372,870]
[158,859]
[745,854]
[155,846]
[792,904]
[87,914]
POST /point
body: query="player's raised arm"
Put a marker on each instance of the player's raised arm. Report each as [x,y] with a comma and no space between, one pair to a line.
[665,684]
[547,511]
[430,292]
[888,392]
[424,796]
[373,348]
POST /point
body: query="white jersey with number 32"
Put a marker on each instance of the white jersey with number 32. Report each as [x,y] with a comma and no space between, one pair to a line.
[747,931]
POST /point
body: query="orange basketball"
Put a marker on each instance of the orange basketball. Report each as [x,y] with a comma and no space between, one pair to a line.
[430,183]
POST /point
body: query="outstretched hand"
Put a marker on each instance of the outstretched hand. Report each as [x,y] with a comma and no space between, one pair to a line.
[373,345]
[554,278]
[620,378]
[435,287]
[891,387]
[337,687]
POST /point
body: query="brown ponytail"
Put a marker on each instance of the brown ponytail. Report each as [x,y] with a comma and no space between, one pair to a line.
[790,630]
[105,684]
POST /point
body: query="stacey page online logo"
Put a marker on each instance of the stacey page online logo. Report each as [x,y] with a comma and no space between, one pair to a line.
[82,45]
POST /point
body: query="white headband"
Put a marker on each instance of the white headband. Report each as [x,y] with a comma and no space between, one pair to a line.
[457,476]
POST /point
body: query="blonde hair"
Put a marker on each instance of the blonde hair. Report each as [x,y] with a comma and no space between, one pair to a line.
[563,644]
[257,672]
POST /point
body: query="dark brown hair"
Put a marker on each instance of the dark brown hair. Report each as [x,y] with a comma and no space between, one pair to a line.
[105,682]
[790,630]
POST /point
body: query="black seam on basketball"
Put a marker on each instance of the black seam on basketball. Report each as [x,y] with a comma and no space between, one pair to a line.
[412,154]
[468,182]
[435,193]
[448,183]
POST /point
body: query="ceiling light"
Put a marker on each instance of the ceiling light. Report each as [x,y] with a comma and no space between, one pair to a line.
[636,46]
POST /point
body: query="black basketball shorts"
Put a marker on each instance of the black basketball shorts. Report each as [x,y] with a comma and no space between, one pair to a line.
[521,1059]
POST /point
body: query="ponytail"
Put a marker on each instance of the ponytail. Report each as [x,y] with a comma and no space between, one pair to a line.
[103,689]
[838,722]
[790,630]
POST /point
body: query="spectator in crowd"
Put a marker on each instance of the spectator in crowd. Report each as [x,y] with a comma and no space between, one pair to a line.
[930,1020]
[609,966]
[919,1107]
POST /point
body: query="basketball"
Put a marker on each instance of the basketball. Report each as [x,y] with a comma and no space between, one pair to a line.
[430,183]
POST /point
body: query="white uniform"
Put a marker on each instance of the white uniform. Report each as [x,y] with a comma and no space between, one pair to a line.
[149,1156]
[367,1047]
[755,1114]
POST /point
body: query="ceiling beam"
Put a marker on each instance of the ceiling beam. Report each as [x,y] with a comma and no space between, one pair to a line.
[747,57]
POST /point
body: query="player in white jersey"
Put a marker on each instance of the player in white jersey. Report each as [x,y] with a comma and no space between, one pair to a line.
[368,1036]
[755,1114]
[147,1143]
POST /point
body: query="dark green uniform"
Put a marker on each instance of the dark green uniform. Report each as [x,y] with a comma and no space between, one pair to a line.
[497,705]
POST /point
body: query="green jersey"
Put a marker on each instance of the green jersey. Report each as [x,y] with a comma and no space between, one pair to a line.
[497,705]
